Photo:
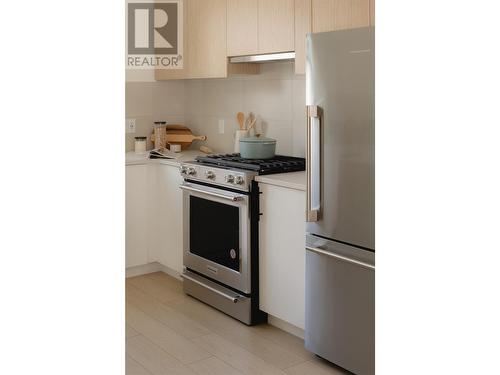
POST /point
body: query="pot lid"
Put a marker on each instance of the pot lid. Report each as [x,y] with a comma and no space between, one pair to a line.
[258,140]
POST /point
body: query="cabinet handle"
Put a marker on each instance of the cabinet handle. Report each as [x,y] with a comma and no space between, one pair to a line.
[313,165]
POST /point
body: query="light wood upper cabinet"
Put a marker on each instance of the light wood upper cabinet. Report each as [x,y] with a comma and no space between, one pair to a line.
[276,26]
[204,41]
[260,26]
[302,27]
[242,27]
[329,15]
[166,74]
[372,12]
[216,29]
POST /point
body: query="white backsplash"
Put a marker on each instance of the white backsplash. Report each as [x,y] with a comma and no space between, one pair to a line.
[153,101]
[276,96]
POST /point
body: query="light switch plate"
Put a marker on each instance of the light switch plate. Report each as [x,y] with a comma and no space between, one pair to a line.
[130,125]
[221,126]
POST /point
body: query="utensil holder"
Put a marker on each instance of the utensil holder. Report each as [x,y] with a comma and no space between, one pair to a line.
[238,135]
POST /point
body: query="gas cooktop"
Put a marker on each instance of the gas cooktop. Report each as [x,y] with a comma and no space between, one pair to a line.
[278,164]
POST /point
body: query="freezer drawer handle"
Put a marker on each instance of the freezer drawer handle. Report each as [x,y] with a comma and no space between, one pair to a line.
[313,166]
[233,198]
[340,257]
[233,299]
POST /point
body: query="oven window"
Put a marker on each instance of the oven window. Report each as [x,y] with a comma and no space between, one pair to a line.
[214,231]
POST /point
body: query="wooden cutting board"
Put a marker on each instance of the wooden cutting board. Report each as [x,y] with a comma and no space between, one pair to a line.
[184,138]
[181,135]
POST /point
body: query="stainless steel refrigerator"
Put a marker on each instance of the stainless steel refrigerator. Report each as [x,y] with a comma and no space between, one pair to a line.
[340,213]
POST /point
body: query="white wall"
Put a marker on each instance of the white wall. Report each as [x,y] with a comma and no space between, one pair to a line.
[276,96]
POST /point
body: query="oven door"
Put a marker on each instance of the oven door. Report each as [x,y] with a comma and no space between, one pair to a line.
[217,234]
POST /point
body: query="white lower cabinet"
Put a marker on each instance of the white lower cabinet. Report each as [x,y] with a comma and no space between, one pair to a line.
[153,215]
[136,215]
[168,213]
[282,253]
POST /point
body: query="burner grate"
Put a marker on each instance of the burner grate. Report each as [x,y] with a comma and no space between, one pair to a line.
[278,164]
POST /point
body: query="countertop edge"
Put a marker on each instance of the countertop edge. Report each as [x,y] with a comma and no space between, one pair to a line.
[185,156]
[281,180]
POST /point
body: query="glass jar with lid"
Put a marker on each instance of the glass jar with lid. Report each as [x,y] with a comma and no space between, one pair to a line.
[140,145]
[159,134]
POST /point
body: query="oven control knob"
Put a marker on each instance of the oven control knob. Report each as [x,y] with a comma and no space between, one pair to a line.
[182,169]
[191,171]
[230,178]
[210,175]
[238,180]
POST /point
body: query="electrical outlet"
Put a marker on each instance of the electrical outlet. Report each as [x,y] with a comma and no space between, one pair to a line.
[130,125]
[221,126]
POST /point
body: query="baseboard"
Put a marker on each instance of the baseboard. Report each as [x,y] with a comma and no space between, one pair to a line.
[285,326]
[171,272]
[150,268]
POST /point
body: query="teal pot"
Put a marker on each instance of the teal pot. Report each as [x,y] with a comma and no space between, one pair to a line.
[257,148]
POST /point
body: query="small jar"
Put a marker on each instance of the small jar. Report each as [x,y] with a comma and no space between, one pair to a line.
[140,145]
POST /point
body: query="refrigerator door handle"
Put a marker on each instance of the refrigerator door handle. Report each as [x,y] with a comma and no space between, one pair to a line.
[313,167]
[340,257]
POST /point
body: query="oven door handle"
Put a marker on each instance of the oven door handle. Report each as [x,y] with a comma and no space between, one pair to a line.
[233,198]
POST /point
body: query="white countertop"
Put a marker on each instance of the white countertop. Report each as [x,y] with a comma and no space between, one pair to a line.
[291,180]
[131,158]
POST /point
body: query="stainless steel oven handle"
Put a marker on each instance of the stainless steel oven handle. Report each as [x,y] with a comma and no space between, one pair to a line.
[233,299]
[340,257]
[233,198]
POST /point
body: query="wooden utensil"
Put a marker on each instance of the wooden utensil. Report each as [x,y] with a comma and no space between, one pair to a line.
[185,138]
[247,123]
[241,119]
[177,127]
[206,150]
[252,124]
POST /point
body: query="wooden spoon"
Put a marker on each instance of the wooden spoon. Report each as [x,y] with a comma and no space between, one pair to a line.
[241,119]
[248,123]
[252,124]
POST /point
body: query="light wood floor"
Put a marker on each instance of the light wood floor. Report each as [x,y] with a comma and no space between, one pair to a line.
[168,332]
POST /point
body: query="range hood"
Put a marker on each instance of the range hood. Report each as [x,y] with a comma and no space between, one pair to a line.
[269,57]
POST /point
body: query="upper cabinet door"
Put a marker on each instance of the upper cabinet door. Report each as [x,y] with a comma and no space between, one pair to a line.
[242,27]
[372,12]
[329,15]
[302,27]
[276,26]
[166,74]
[206,39]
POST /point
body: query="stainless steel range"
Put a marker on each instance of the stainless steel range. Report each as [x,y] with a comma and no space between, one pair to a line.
[221,234]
